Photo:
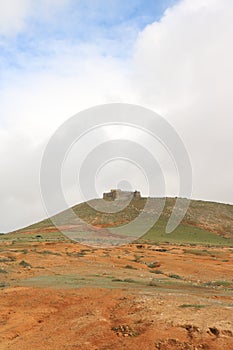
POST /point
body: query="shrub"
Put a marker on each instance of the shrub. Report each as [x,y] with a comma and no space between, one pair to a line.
[158,272]
[173,275]
[153,264]
[2,270]
[197,306]
[130,267]
[25,264]
[137,258]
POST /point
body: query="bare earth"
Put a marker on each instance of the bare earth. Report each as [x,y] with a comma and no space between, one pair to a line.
[68,296]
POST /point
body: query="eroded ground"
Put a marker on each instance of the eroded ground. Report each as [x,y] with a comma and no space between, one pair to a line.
[61,295]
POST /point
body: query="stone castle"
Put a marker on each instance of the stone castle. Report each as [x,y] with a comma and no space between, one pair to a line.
[119,194]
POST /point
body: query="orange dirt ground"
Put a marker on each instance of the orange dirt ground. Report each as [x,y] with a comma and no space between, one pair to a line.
[69,296]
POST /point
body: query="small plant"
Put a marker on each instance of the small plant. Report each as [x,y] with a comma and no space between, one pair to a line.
[8,258]
[173,275]
[3,284]
[129,280]
[221,283]
[153,264]
[117,280]
[49,252]
[153,283]
[24,264]
[157,272]
[197,306]
[2,270]
[130,267]
[80,254]
[217,284]
[76,254]
[161,250]
[137,258]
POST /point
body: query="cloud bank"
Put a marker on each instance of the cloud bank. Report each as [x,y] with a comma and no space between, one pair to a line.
[179,65]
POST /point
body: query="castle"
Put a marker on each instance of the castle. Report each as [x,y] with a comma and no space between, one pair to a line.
[119,194]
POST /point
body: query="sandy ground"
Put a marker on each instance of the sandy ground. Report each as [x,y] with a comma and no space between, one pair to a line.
[68,296]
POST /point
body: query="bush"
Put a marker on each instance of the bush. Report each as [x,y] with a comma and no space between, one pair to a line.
[153,264]
[130,267]
[173,275]
[158,272]
[25,264]
[3,270]
[197,306]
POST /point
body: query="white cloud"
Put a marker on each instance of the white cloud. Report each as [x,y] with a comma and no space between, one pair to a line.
[183,67]
[33,106]
[180,67]
[12,15]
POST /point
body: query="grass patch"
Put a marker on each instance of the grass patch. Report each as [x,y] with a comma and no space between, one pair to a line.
[3,271]
[157,272]
[117,280]
[184,233]
[82,253]
[175,276]
[4,260]
[137,258]
[129,280]
[49,252]
[205,252]
[3,285]
[126,280]
[219,283]
[130,267]
[196,306]
[153,283]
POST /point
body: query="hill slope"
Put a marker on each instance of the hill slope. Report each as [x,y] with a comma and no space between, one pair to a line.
[204,222]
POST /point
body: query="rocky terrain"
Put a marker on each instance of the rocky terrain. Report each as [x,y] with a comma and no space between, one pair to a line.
[59,294]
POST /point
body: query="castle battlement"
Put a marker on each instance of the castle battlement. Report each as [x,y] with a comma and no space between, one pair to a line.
[119,194]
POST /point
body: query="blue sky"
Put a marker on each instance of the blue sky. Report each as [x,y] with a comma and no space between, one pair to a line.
[112,25]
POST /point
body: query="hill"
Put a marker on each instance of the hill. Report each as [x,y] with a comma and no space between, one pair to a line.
[167,291]
[204,223]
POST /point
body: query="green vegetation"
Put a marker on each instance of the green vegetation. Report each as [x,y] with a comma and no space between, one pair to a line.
[196,306]
[2,270]
[205,223]
[153,283]
[157,272]
[204,252]
[222,283]
[173,275]
[153,264]
[130,267]
[184,233]
[48,252]
[21,237]
[24,263]
[137,258]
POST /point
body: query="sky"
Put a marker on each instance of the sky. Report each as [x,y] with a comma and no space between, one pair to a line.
[60,57]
